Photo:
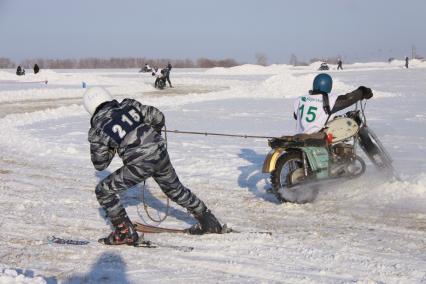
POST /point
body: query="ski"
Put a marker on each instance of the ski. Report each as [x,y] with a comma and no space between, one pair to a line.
[145,228]
[149,229]
[53,240]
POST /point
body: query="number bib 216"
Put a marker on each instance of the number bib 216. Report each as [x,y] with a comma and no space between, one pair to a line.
[123,122]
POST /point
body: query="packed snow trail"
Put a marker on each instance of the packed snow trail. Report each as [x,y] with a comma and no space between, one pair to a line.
[363,230]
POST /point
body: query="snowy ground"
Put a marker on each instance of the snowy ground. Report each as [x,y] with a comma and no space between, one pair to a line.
[367,230]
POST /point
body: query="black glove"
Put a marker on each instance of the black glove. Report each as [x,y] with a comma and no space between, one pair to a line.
[366,92]
[158,129]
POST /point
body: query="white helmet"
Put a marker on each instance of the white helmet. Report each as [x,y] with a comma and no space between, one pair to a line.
[95,96]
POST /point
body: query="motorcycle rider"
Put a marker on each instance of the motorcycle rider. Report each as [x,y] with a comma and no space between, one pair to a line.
[159,74]
[312,111]
[133,130]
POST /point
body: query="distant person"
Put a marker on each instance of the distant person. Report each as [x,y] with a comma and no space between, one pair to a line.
[339,64]
[36,68]
[20,71]
[406,61]
[167,74]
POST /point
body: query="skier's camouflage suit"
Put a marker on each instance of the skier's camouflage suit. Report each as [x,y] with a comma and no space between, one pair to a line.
[133,130]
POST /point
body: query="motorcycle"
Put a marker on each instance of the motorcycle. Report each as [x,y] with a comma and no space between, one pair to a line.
[160,83]
[145,69]
[323,67]
[299,163]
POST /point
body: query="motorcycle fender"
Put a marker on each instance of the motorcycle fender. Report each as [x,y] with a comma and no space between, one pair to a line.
[271,160]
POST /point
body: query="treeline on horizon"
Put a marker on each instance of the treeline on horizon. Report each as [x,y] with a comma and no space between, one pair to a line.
[117,62]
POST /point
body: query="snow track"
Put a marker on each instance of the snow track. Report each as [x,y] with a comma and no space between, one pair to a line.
[367,230]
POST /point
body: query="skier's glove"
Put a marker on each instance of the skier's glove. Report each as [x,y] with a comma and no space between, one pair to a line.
[366,92]
[158,129]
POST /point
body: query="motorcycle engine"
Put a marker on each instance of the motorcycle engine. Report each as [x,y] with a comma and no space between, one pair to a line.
[343,152]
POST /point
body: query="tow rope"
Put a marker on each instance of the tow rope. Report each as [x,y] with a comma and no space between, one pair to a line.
[217,134]
[165,131]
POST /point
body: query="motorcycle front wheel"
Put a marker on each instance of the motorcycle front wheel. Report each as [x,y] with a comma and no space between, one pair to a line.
[374,148]
[286,177]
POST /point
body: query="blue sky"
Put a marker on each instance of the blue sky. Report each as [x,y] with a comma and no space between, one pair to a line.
[357,30]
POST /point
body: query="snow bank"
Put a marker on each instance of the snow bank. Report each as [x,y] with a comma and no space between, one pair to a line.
[286,85]
[38,94]
[75,79]
[21,140]
[248,69]
[12,276]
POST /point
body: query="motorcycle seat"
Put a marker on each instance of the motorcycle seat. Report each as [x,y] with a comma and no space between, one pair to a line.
[300,140]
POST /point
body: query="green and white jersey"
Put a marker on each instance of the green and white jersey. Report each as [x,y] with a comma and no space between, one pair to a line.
[311,116]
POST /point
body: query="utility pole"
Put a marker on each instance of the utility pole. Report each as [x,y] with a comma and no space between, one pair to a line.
[413,52]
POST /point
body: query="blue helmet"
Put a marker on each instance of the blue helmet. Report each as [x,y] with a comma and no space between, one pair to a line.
[322,84]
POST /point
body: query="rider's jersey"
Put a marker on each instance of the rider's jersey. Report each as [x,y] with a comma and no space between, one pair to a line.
[311,116]
[158,73]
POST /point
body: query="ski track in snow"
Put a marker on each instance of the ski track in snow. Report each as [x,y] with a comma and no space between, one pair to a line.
[367,230]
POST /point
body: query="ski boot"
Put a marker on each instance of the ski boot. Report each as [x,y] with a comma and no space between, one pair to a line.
[207,224]
[124,234]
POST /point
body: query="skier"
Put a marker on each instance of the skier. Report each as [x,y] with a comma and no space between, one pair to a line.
[314,110]
[406,61]
[339,64]
[133,131]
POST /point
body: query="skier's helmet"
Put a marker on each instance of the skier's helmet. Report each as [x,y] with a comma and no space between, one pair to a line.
[94,97]
[322,83]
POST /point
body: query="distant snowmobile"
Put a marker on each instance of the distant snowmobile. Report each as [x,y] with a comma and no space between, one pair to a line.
[300,161]
[323,67]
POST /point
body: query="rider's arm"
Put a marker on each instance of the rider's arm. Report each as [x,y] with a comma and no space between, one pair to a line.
[349,99]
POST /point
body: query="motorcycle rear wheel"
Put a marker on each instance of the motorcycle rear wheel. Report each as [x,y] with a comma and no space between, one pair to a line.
[161,84]
[287,174]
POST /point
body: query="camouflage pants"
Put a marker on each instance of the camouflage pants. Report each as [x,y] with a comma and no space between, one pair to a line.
[159,167]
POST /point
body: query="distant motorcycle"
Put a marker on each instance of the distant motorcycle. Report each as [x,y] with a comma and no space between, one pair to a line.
[145,69]
[323,67]
[300,161]
[161,83]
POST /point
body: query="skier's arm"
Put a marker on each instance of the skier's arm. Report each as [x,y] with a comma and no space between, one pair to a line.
[153,117]
[349,99]
[294,115]
[101,155]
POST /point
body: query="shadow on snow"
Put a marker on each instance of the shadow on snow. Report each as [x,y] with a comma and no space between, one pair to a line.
[109,268]
[252,174]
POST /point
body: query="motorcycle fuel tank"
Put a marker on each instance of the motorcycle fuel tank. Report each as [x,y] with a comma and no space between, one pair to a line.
[341,128]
